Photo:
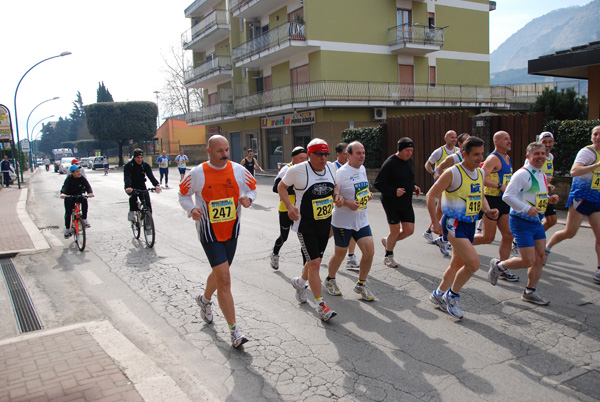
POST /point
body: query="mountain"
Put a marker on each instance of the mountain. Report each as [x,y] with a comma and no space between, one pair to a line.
[558,30]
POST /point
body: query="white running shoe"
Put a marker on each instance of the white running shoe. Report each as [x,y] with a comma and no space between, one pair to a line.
[428,235]
[515,250]
[389,261]
[205,309]
[352,262]
[86,224]
[453,305]
[384,242]
[494,272]
[300,290]
[332,287]
[534,297]
[237,337]
[438,300]
[364,292]
[596,276]
[325,313]
[274,261]
[443,245]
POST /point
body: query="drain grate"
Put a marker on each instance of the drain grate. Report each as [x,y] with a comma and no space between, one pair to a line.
[47,228]
[24,310]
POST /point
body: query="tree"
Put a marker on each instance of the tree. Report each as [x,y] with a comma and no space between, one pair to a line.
[563,105]
[102,94]
[175,98]
[121,122]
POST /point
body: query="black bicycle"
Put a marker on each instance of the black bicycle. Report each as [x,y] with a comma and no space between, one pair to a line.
[142,219]
[77,224]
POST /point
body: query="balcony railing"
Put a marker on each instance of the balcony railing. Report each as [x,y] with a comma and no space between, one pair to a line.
[415,34]
[217,64]
[213,19]
[283,33]
[219,110]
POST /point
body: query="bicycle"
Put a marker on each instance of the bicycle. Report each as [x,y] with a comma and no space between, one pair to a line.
[77,224]
[143,218]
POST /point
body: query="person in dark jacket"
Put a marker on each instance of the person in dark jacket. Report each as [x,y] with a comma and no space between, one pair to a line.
[75,184]
[134,175]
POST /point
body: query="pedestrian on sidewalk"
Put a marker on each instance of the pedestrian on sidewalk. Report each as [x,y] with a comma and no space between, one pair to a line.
[6,169]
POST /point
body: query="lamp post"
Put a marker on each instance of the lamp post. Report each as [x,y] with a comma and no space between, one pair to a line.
[15,107]
[33,129]
[27,128]
[157,110]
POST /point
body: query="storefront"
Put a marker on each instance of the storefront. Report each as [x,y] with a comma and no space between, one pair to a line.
[284,132]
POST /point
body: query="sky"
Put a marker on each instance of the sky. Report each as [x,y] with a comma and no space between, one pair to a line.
[123,44]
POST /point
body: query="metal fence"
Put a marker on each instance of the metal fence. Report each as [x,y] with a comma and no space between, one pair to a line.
[283,33]
[417,34]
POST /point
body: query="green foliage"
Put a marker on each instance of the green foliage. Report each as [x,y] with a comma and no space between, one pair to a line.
[85,146]
[102,94]
[372,140]
[569,137]
[563,105]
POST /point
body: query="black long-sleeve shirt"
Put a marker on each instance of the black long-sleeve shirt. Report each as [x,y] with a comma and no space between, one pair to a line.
[396,173]
[76,186]
[135,174]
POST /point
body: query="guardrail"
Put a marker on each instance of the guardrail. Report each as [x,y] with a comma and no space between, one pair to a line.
[214,18]
[285,32]
[216,64]
[417,34]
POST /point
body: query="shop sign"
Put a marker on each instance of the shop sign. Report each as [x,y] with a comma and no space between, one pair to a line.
[292,119]
[5,130]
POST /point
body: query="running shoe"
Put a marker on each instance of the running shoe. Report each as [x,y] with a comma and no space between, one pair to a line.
[548,251]
[596,276]
[332,287]
[325,313]
[428,235]
[86,224]
[67,233]
[506,275]
[453,305]
[479,229]
[364,292]
[274,261]
[384,242]
[389,261]
[534,297]
[438,300]
[515,249]
[205,309]
[352,262]
[167,186]
[300,290]
[443,245]
[494,272]
[237,337]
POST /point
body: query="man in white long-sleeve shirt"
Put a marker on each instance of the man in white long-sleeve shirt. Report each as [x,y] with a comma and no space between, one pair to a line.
[213,194]
[527,195]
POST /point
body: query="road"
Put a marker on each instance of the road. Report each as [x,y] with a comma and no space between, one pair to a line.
[397,348]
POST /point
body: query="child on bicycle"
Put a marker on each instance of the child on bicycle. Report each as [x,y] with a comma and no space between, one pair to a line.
[75,184]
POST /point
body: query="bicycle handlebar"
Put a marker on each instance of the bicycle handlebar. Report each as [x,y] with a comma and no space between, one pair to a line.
[139,191]
[77,196]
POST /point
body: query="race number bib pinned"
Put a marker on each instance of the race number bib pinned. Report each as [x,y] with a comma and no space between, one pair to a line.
[506,179]
[363,198]
[222,210]
[595,180]
[541,201]
[322,208]
[473,205]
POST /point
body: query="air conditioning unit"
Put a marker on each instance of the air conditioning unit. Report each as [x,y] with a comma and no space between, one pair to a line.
[379,113]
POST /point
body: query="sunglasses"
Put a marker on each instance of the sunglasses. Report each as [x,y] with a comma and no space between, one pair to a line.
[321,153]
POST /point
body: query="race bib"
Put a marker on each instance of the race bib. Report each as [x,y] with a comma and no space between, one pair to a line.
[222,210]
[164,163]
[181,162]
[595,180]
[322,208]
[541,201]
[363,197]
[473,205]
[506,179]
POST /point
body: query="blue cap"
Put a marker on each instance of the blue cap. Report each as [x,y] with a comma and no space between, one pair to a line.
[74,168]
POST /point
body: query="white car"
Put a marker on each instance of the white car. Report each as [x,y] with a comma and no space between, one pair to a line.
[65,164]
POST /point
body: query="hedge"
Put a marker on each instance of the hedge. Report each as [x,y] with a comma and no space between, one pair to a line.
[372,140]
[569,137]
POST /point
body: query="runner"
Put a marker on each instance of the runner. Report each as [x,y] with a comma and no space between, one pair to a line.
[462,198]
[163,167]
[350,221]
[527,195]
[456,157]
[213,194]
[250,161]
[584,198]
[396,182]
[341,154]
[105,164]
[316,193]
[547,138]
[498,168]
[285,223]
[438,156]
[182,161]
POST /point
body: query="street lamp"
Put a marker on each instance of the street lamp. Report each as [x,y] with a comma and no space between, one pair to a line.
[27,128]
[32,131]
[15,107]
[157,110]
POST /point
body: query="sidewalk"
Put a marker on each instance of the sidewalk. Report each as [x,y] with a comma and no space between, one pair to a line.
[89,361]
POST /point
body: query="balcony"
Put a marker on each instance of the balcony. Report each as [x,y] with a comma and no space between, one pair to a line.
[200,7]
[210,30]
[415,40]
[217,112]
[215,71]
[252,8]
[279,43]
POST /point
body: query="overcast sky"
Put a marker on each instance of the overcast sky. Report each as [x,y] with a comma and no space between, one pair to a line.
[122,44]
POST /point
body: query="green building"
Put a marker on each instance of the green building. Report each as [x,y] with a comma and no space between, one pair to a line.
[277,73]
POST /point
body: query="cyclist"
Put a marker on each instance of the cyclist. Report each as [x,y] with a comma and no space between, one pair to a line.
[75,184]
[134,175]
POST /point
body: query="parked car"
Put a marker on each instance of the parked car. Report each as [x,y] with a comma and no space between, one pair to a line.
[97,163]
[39,162]
[65,164]
[86,162]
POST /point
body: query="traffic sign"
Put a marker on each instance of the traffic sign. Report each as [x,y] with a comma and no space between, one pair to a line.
[25,145]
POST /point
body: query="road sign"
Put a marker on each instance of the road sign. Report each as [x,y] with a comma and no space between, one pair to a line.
[25,145]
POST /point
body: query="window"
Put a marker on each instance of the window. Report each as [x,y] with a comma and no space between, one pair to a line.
[403,20]
[212,99]
[299,75]
[432,80]
[431,20]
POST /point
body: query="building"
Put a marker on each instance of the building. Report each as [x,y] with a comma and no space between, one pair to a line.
[581,62]
[278,73]
[175,134]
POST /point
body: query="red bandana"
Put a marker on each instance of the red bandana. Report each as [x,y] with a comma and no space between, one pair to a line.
[318,148]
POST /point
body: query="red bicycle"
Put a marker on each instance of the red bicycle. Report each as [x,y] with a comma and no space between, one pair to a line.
[77,224]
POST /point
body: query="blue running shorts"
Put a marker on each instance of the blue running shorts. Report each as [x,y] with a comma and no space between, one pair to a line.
[342,236]
[526,232]
[219,252]
[458,229]
[584,207]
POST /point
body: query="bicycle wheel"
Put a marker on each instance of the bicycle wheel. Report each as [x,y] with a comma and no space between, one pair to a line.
[79,233]
[135,225]
[149,233]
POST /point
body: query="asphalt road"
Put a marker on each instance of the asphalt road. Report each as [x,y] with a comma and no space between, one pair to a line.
[398,347]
